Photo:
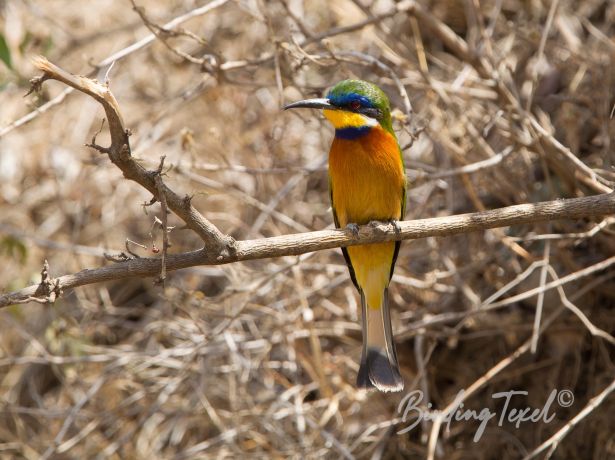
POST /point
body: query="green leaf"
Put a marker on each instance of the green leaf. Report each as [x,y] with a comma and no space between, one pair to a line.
[27,39]
[14,248]
[5,53]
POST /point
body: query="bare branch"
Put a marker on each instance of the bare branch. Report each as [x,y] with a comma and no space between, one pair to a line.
[119,153]
[541,296]
[554,440]
[460,48]
[163,224]
[108,61]
[504,363]
[301,243]
[477,385]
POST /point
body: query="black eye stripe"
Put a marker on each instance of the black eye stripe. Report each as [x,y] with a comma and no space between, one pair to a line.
[358,106]
[371,112]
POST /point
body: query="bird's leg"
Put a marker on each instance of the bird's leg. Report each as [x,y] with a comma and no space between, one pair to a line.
[353,228]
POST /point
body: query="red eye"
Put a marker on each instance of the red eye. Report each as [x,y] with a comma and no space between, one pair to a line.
[355,105]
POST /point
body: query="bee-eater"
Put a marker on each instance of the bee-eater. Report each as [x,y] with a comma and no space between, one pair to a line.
[367,182]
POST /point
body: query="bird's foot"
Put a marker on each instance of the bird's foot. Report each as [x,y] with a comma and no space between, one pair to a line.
[354,229]
[396,227]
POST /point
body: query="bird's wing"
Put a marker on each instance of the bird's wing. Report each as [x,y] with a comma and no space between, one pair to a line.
[402,214]
[398,243]
[344,250]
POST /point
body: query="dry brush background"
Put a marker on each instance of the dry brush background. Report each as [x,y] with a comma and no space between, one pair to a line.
[258,359]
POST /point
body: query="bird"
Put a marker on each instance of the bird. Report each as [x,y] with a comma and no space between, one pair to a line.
[367,183]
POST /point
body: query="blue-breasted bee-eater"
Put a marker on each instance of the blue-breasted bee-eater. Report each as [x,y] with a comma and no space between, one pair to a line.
[367,182]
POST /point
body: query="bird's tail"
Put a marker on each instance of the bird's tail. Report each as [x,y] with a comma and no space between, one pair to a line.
[379,367]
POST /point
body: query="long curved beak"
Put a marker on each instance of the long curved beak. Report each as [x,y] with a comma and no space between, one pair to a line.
[319,103]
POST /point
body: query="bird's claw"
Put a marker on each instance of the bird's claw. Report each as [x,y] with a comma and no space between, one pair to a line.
[354,229]
[377,225]
[396,226]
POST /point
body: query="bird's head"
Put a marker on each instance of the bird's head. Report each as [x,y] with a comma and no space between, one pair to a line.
[352,106]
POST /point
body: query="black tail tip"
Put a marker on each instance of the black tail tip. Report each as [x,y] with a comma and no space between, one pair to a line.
[378,372]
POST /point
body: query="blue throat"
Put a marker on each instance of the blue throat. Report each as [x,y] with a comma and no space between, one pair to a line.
[352,133]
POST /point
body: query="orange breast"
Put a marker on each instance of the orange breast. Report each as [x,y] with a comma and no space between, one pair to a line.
[367,183]
[367,178]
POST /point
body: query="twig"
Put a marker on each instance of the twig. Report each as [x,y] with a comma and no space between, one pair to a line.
[596,182]
[472,167]
[21,234]
[36,112]
[443,318]
[541,52]
[541,297]
[73,415]
[553,284]
[110,60]
[163,33]
[245,197]
[561,236]
[478,384]
[297,20]
[423,384]
[554,440]
[490,374]
[200,11]
[460,48]
[292,182]
[593,330]
[164,212]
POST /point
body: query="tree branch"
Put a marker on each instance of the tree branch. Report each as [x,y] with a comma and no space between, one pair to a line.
[222,249]
[300,243]
[119,153]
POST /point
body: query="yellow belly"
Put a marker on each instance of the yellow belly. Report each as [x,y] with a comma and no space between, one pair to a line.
[367,183]
[372,267]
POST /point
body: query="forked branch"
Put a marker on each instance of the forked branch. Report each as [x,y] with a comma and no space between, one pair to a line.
[119,153]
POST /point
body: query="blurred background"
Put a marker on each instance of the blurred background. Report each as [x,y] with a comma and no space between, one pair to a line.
[259,358]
